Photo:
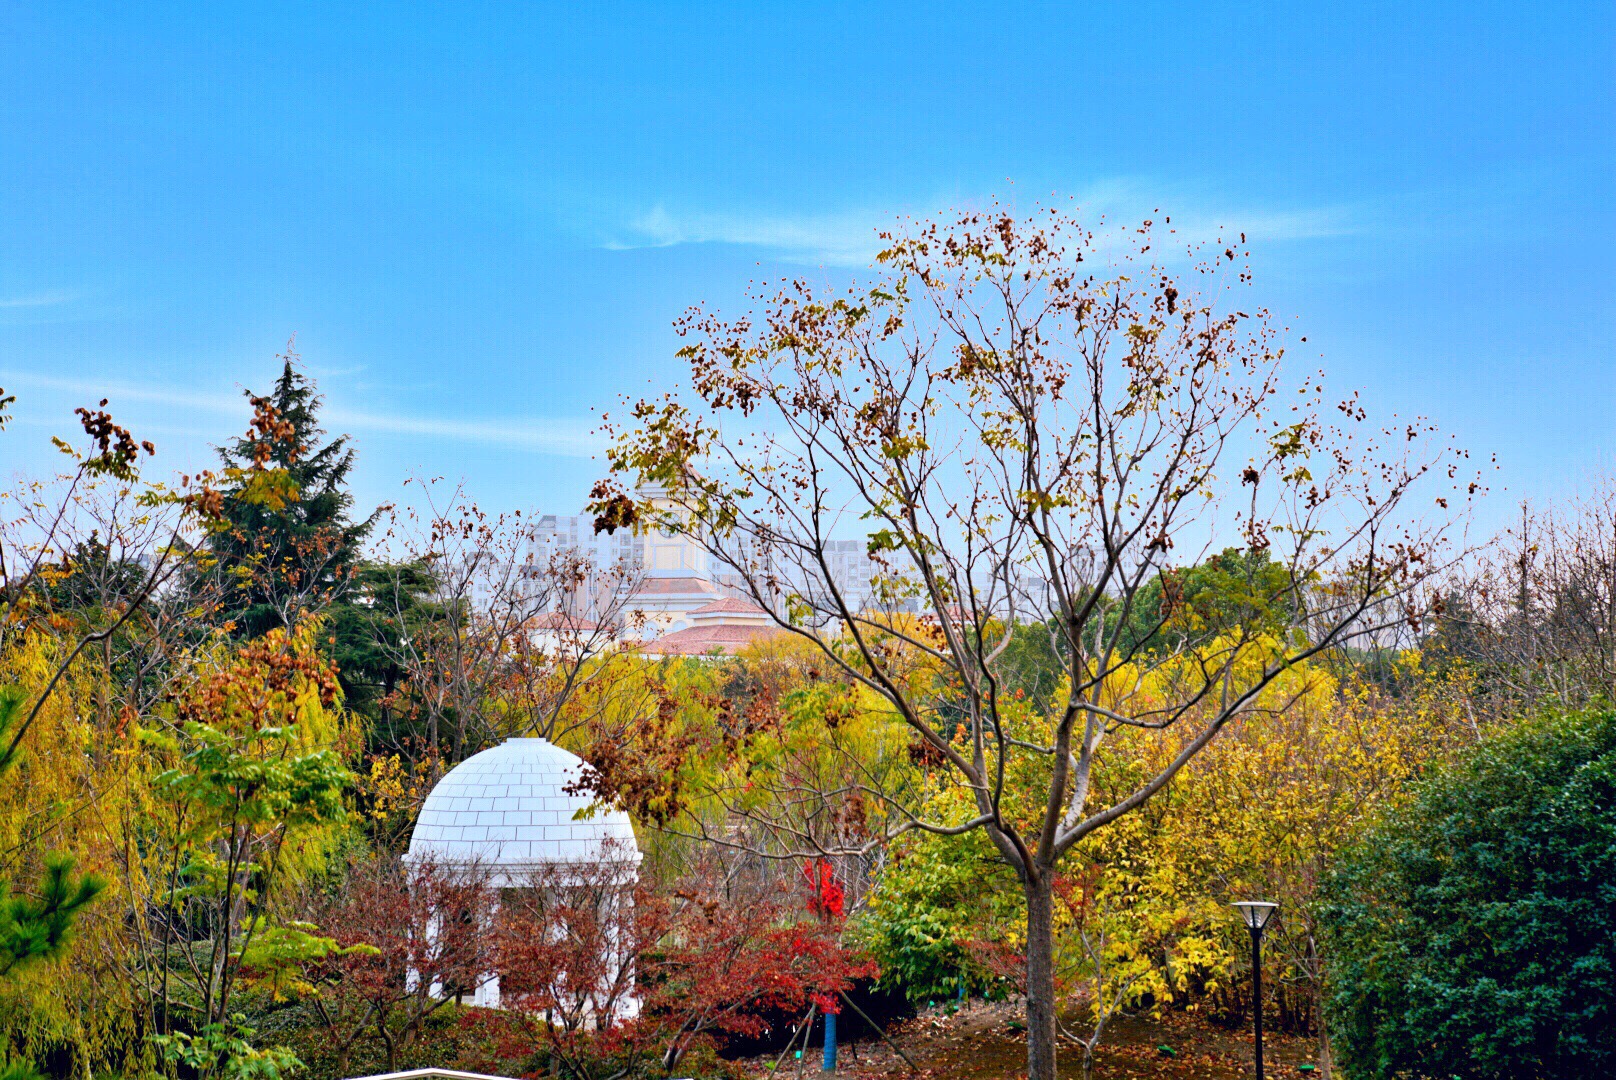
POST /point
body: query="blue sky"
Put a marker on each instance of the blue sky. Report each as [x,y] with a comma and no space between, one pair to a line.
[479,220]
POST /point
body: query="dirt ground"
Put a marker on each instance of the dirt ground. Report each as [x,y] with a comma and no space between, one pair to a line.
[984,1041]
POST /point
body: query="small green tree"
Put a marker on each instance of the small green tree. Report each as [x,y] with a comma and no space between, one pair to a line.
[254,785]
[222,1052]
[1474,933]
[933,901]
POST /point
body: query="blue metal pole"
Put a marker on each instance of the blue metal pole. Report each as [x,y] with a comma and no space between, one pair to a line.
[830,1042]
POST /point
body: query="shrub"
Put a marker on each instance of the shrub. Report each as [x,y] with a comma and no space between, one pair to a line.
[1473,934]
[931,902]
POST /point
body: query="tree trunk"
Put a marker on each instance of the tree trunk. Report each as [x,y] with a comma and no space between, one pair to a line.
[387,1042]
[1040,979]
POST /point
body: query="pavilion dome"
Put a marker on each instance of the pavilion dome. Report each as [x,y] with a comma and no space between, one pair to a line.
[506,809]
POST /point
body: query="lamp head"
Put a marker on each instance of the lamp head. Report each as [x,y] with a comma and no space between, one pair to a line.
[1256,913]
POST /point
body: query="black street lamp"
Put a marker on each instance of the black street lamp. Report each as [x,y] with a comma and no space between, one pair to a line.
[1256,914]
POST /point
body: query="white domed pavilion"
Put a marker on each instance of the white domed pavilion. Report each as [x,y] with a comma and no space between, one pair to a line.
[506,813]
[506,810]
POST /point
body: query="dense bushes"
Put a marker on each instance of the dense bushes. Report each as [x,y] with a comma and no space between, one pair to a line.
[1474,933]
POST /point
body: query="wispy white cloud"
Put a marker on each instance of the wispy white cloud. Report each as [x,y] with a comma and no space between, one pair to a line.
[851,237]
[87,390]
[841,239]
[47,298]
[563,437]
[567,438]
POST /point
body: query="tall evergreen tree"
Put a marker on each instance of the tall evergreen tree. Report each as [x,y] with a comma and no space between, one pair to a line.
[280,558]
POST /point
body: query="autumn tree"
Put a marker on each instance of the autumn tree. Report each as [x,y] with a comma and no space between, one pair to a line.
[1533,617]
[748,947]
[97,639]
[1030,422]
[603,973]
[66,590]
[256,777]
[412,939]
[82,561]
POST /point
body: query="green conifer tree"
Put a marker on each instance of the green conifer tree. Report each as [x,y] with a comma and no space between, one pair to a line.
[280,559]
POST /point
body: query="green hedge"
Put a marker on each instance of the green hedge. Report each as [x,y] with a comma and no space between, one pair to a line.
[1474,934]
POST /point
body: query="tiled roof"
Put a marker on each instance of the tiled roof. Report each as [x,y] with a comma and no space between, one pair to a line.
[703,640]
[506,808]
[675,586]
[556,620]
[730,604]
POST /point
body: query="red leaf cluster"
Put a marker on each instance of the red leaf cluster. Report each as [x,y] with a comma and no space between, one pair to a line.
[425,925]
[719,956]
[826,898]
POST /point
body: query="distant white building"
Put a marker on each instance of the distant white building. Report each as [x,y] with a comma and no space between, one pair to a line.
[678,579]
[576,532]
[678,609]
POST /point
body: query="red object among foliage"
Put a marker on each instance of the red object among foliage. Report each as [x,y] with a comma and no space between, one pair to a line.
[825,895]
[712,958]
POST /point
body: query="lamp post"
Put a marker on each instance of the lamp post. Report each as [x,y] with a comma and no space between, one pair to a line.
[1256,914]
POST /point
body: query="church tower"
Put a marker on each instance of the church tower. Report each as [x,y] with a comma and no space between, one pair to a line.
[676,576]
[671,553]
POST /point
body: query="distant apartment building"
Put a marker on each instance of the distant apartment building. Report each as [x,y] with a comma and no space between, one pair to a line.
[557,533]
[576,532]
[853,572]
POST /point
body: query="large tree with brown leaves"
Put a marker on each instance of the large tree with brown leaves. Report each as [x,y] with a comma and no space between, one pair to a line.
[1033,423]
